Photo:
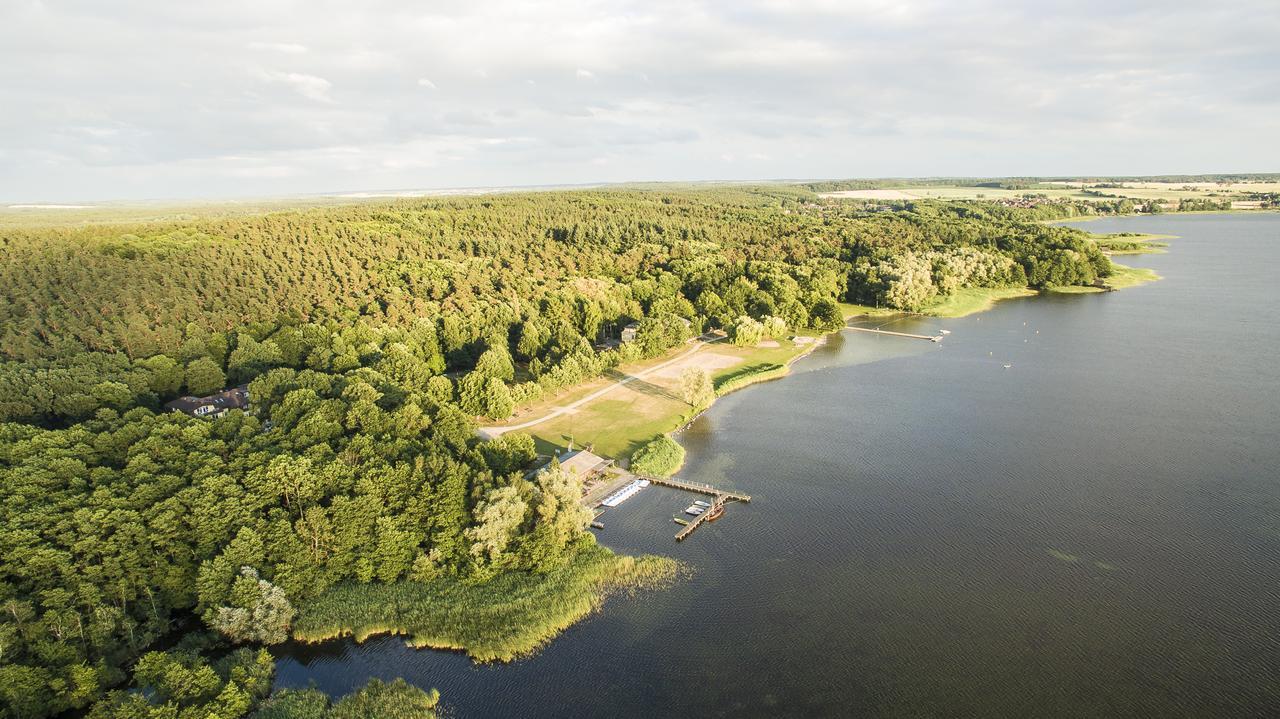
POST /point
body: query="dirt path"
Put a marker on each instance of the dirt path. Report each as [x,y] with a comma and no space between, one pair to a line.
[491,432]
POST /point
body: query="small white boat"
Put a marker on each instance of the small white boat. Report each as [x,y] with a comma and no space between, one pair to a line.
[1008,366]
[701,503]
[945,332]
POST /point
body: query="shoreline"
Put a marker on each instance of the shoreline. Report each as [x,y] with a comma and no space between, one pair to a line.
[780,372]
[573,604]
[1148,215]
[509,617]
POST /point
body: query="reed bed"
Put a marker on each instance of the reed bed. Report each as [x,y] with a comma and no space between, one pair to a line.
[749,375]
[507,617]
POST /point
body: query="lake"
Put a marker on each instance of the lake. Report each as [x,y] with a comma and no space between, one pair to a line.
[1092,531]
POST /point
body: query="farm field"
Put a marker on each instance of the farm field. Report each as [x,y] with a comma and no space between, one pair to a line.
[1063,190]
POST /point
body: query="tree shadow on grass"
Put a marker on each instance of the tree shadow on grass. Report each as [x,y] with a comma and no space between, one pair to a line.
[643,387]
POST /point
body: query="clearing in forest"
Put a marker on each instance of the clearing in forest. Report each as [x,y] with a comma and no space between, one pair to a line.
[630,405]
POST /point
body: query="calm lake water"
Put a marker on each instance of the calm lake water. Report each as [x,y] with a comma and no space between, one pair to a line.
[1094,531]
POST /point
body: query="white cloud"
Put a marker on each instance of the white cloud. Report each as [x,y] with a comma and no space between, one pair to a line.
[308,86]
[288,48]
[696,89]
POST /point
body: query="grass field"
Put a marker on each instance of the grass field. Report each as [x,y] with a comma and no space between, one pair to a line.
[961,303]
[508,617]
[620,422]
[973,299]
[848,309]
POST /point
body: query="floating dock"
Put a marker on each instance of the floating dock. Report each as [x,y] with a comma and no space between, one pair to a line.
[625,493]
[931,338]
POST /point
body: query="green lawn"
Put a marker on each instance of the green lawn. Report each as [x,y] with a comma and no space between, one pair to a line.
[849,309]
[962,302]
[622,421]
[969,300]
[613,427]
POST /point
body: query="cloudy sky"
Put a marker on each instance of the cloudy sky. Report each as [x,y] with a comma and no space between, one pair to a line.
[135,99]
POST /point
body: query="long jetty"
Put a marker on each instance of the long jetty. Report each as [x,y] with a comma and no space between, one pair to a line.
[931,338]
[699,487]
[720,498]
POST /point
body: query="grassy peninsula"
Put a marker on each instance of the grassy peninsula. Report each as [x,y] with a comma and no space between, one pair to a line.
[1121,278]
[500,620]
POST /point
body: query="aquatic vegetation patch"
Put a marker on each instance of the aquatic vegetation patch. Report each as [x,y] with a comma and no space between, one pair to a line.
[1123,276]
[507,617]
[751,374]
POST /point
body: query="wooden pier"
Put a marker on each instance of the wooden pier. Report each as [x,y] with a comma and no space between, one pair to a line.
[699,487]
[931,338]
[716,503]
[720,498]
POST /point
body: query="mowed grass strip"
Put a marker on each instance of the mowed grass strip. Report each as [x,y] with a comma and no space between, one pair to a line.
[507,617]
[622,421]
[614,426]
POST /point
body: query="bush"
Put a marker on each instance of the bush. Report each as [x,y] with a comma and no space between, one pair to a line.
[659,458]
[746,332]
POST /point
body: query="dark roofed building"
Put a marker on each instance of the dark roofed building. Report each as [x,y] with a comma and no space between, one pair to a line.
[215,405]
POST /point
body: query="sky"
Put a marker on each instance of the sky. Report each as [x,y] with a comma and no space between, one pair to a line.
[238,98]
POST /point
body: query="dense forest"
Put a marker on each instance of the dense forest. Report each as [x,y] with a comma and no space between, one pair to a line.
[372,337]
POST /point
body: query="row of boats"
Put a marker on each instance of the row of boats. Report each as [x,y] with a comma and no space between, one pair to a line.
[699,507]
[625,493]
